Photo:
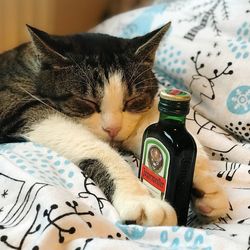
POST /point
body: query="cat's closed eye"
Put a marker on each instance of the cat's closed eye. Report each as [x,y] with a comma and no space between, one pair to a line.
[138,104]
[84,107]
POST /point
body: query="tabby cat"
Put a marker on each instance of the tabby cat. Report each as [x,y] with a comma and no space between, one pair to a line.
[85,95]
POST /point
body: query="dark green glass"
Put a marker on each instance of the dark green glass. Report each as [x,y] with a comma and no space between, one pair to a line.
[178,157]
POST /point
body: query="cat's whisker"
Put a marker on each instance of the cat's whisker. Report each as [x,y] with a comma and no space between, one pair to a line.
[134,72]
[145,87]
[81,69]
[38,99]
[68,82]
[83,76]
[144,80]
[141,62]
[140,75]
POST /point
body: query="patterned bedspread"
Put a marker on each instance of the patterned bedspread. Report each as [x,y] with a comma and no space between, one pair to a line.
[46,202]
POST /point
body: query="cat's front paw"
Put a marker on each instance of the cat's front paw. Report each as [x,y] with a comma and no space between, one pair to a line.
[145,210]
[209,200]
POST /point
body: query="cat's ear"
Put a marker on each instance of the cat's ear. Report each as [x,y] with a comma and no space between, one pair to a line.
[45,46]
[147,45]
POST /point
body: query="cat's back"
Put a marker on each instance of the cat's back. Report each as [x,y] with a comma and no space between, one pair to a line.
[12,56]
[13,69]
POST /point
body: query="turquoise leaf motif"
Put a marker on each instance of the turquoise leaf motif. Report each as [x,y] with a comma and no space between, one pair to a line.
[240,45]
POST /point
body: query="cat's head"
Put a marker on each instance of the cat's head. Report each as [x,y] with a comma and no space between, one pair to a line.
[105,82]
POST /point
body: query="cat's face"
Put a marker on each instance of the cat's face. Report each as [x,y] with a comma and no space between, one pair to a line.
[120,109]
[104,82]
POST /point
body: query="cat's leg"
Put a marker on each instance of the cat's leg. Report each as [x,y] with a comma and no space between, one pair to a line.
[209,200]
[106,167]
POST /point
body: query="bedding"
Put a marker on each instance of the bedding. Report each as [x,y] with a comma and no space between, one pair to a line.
[47,203]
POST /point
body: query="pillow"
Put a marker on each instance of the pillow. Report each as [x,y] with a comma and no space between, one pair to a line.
[207,51]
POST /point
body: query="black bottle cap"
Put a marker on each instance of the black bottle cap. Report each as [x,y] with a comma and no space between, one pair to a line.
[174,101]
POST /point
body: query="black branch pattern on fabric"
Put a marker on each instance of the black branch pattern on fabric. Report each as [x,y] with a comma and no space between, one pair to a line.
[215,24]
[51,222]
[206,12]
[85,244]
[54,222]
[225,11]
[87,183]
[31,230]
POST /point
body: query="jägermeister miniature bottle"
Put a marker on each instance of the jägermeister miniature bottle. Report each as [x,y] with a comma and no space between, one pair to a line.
[169,152]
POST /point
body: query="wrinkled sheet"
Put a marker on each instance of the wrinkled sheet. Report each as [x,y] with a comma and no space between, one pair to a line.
[46,202]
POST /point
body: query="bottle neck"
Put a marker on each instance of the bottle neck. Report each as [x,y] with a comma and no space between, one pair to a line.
[181,119]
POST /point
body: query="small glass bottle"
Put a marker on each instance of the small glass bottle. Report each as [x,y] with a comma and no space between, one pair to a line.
[169,152]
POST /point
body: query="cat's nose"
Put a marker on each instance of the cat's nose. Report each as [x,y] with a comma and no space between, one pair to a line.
[112,131]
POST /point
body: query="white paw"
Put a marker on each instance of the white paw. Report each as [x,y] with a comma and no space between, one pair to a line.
[145,210]
[209,200]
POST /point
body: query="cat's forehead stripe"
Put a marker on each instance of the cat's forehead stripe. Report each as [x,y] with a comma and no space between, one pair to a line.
[113,93]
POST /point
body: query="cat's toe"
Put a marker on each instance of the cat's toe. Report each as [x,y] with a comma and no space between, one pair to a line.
[147,211]
[210,206]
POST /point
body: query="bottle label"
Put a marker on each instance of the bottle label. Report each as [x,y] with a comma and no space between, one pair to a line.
[155,166]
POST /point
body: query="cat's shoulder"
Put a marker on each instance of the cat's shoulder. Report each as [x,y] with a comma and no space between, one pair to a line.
[13,54]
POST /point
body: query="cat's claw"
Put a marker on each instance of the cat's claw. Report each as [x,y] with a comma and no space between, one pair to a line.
[146,210]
